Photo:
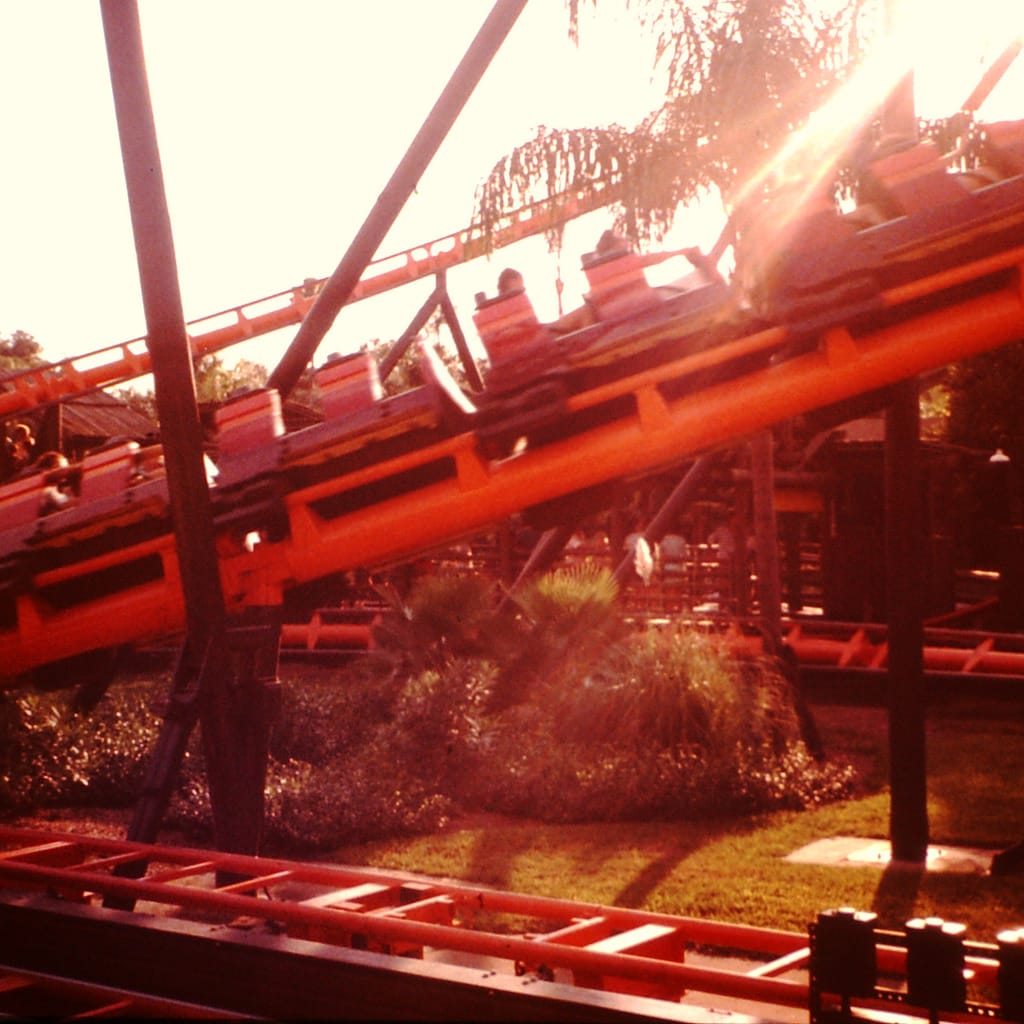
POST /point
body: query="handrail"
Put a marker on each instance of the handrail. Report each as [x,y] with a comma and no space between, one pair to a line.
[75,375]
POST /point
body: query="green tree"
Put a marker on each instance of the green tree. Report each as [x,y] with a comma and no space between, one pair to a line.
[19,351]
[742,76]
[984,401]
[143,402]
[215,381]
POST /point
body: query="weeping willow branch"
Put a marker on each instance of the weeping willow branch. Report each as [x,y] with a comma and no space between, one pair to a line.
[652,173]
[742,76]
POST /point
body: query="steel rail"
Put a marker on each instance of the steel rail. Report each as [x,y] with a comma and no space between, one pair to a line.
[92,371]
[627,397]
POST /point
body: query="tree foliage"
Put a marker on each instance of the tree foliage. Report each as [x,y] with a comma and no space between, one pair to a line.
[554,707]
[984,401]
[215,381]
[551,707]
[143,402]
[741,75]
[19,351]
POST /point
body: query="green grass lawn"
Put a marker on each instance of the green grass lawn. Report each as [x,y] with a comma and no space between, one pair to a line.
[734,870]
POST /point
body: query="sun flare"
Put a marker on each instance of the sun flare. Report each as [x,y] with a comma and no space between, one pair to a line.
[958,60]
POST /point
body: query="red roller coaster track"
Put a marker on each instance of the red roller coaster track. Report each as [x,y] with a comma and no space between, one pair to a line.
[663,378]
[361,939]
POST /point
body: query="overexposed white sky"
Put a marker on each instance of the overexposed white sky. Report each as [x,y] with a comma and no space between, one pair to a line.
[280,123]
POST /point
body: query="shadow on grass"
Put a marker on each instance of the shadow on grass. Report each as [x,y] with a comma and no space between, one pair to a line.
[635,893]
[637,857]
[897,892]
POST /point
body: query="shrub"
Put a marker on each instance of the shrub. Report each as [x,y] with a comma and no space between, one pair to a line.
[322,716]
[356,799]
[440,723]
[561,624]
[664,725]
[341,769]
[443,618]
[359,758]
[553,707]
[50,755]
[350,799]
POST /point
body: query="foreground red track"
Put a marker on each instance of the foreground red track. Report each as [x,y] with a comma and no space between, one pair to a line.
[263,936]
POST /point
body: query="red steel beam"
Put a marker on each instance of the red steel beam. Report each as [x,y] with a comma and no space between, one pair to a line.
[905,330]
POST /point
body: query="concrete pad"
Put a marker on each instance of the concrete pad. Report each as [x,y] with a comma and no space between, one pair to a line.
[849,851]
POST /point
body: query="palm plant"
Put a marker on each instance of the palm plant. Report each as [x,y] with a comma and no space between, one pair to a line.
[443,618]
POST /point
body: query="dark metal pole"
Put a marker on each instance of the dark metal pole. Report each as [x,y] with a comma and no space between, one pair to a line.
[908,814]
[394,354]
[439,300]
[766,539]
[908,808]
[769,581]
[551,544]
[993,76]
[167,339]
[233,718]
[339,286]
[681,495]
[461,346]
